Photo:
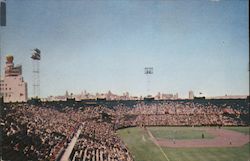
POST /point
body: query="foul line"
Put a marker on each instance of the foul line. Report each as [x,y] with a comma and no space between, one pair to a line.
[155,142]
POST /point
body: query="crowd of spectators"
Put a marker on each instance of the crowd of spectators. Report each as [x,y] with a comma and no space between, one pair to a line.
[38,133]
[178,114]
[99,142]
[43,132]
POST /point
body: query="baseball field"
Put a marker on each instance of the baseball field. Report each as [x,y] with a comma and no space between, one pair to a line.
[187,143]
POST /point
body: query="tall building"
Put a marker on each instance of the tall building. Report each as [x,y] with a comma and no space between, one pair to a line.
[158,96]
[191,95]
[12,85]
[176,96]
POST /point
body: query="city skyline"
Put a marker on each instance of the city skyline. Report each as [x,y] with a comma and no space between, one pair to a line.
[100,46]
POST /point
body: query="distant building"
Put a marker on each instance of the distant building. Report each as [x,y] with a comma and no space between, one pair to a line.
[229,97]
[191,95]
[109,95]
[176,96]
[158,96]
[67,94]
[12,86]
[167,96]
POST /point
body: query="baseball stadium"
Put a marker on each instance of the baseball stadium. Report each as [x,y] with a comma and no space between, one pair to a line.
[101,130]
[178,71]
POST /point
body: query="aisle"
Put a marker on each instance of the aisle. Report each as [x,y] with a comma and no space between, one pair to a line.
[71,145]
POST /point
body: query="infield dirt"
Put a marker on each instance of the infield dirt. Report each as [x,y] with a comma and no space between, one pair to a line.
[222,138]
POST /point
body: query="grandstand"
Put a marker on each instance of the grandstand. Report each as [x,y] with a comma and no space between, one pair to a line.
[43,131]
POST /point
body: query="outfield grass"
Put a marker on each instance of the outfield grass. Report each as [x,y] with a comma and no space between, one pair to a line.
[179,133]
[209,154]
[143,149]
[139,144]
[244,130]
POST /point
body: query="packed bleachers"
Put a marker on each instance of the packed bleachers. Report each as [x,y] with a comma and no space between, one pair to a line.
[37,132]
[99,142]
[180,114]
[43,131]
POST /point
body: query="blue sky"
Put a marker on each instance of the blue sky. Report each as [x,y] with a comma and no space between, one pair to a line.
[104,45]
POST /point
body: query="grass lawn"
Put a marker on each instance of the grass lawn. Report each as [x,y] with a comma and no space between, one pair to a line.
[139,144]
[143,149]
[244,130]
[209,154]
[179,133]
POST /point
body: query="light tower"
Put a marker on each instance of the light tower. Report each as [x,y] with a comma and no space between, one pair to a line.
[36,57]
[148,71]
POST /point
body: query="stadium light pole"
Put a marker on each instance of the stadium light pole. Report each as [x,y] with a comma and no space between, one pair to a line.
[36,57]
[148,71]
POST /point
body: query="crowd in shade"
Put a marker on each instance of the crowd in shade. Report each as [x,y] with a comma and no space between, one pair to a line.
[179,114]
[36,133]
[43,132]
